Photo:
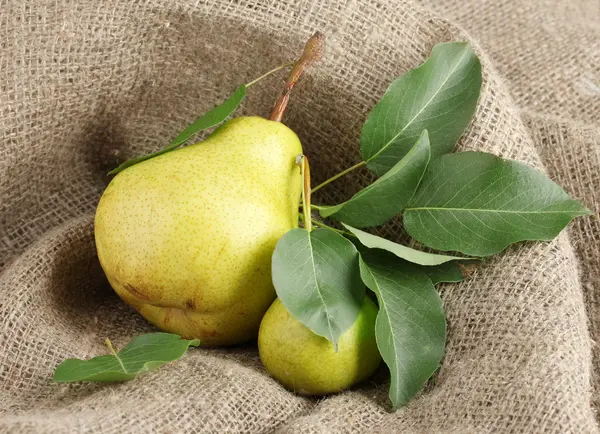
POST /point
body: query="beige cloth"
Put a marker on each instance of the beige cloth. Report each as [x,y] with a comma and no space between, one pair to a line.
[85,84]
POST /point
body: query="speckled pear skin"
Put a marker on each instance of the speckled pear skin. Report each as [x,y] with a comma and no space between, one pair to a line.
[186,238]
[307,363]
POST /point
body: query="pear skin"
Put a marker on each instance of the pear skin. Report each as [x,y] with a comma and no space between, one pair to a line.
[307,363]
[186,238]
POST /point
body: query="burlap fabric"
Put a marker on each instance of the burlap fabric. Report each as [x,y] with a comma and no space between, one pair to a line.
[86,84]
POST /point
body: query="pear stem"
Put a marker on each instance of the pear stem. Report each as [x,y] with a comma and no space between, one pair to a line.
[302,161]
[313,50]
[266,74]
[339,175]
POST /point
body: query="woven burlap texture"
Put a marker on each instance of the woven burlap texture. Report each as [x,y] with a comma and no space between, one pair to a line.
[86,84]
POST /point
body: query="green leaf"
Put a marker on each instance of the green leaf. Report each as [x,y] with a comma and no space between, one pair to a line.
[404,252]
[142,354]
[478,204]
[386,197]
[316,277]
[447,272]
[209,119]
[410,326]
[439,96]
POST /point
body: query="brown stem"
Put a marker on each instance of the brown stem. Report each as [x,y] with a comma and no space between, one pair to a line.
[313,51]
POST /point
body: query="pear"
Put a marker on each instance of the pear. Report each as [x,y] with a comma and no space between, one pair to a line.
[186,238]
[307,363]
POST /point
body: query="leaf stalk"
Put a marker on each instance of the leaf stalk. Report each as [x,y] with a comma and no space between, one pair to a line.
[339,175]
[113,350]
[302,161]
[266,74]
[339,231]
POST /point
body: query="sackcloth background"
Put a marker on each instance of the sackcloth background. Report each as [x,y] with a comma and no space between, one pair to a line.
[86,84]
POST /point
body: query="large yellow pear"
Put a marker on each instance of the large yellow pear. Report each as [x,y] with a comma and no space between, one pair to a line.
[186,238]
[307,363]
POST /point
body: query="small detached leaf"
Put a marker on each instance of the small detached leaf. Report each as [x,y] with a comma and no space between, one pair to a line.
[410,326]
[478,204]
[142,354]
[207,120]
[387,196]
[407,253]
[317,279]
[439,96]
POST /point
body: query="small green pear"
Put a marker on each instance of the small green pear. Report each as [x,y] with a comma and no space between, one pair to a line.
[307,363]
[186,238]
